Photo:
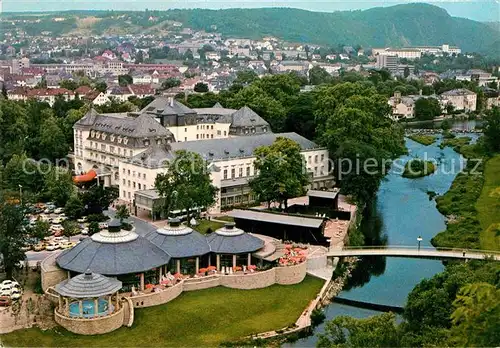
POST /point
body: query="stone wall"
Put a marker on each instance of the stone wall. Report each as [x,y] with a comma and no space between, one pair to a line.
[291,274]
[51,274]
[157,298]
[97,326]
[128,314]
[248,281]
[202,283]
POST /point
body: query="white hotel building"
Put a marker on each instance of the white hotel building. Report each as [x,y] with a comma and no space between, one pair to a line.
[129,150]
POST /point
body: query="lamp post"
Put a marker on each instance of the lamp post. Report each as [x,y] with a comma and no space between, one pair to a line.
[21,194]
[419,239]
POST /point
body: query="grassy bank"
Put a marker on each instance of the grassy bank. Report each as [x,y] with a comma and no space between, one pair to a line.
[204,225]
[423,139]
[456,143]
[488,205]
[417,168]
[198,318]
[472,204]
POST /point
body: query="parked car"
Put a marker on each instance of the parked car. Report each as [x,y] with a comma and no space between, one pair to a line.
[57,220]
[103,225]
[15,294]
[39,247]
[5,301]
[52,246]
[58,210]
[85,231]
[67,245]
[82,220]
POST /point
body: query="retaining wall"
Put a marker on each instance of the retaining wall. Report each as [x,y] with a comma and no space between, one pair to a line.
[202,283]
[249,281]
[291,274]
[96,326]
[157,298]
[51,274]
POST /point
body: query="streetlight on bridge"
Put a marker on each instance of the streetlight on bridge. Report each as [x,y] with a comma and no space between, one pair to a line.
[419,239]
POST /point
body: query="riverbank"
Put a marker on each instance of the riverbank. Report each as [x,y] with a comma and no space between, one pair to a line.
[423,139]
[471,205]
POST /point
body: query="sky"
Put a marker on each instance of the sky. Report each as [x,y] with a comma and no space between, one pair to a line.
[482,10]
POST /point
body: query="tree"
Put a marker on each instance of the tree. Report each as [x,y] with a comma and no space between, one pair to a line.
[427,109]
[101,86]
[53,145]
[245,77]
[74,208]
[68,84]
[170,83]
[98,198]
[450,108]
[318,76]
[406,72]
[41,229]
[186,184]
[125,80]
[376,331]
[71,228]
[93,228]
[122,213]
[201,87]
[476,317]
[491,128]
[446,125]
[282,173]
[13,235]
[59,186]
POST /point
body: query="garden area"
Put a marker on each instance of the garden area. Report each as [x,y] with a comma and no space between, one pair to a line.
[423,139]
[207,226]
[417,168]
[199,318]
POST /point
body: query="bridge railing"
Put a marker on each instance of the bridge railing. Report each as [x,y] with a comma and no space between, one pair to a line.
[415,247]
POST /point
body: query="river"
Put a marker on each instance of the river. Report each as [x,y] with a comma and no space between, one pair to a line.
[402,212]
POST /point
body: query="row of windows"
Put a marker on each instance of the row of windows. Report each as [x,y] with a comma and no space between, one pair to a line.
[134,185]
[198,127]
[233,173]
[241,199]
[112,149]
[309,159]
[102,158]
[134,173]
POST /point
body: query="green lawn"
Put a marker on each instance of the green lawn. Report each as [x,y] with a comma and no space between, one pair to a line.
[204,225]
[488,205]
[199,318]
[423,139]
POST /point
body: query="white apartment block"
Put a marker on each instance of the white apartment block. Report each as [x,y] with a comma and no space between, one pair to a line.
[416,52]
[130,150]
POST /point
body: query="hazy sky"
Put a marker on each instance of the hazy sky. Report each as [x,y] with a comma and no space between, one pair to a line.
[474,9]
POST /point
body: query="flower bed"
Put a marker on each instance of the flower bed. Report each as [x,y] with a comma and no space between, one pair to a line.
[294,255]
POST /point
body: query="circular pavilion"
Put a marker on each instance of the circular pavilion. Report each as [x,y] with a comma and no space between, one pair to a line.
[232,246]
[116,252]
[89,296]
[186,247]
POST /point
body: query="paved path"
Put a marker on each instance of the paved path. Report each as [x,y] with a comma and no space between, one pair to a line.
[408,251]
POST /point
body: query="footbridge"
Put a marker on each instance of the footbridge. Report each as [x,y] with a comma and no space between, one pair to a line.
[415,252]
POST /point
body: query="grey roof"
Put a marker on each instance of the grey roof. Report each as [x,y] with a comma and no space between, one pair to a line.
[141,126]
[167,106]
[218,105]
[238,244]
[155,156]
[88,285]
[113,259]
[179,246]
[323,194]
[275,218]
[246,117]
[459,91]
[238,147]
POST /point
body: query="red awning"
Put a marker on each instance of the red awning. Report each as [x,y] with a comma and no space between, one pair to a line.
[89,176]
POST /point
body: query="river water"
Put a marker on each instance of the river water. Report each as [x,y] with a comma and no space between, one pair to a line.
[402,212]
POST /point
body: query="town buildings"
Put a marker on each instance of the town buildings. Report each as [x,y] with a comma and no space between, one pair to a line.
[461,99]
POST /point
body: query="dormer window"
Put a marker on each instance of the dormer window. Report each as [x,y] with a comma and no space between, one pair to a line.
[112,138]
[158,142]
[98,135]
[253,130]
[104,136]
[125,140]
[264,129]
[119,140]
[92,133]
[146,142]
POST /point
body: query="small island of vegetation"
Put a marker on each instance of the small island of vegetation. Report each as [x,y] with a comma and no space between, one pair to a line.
[423,139]
[455,143]
[417,168]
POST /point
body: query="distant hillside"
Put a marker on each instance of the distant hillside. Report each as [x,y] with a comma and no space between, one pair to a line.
[401,25]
